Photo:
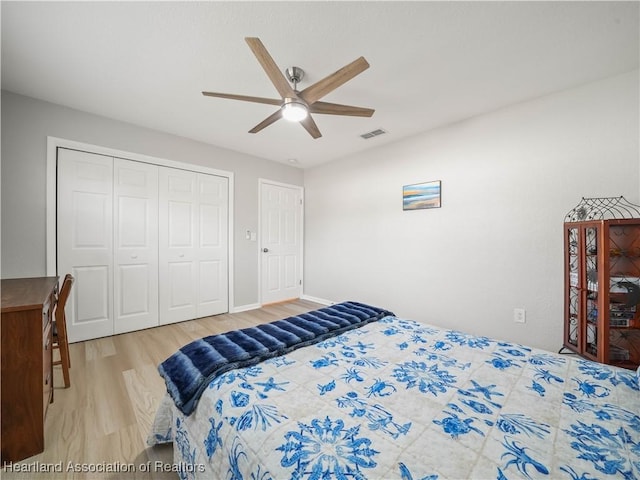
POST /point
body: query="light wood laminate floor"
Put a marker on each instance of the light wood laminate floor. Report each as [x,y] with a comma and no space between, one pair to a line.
[102,421]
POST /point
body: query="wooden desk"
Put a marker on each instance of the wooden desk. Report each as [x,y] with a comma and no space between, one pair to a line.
[26,357]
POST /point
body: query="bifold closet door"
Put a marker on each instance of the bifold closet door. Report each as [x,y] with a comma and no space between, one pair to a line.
[193,245]
[135,191]
[84,240]
[148,245]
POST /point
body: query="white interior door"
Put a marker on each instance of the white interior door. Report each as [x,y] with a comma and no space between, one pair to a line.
[212,248]
[85,233]
[281,242]
[178,234]
[135,223]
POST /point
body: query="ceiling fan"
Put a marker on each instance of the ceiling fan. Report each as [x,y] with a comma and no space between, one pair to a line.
[298,105]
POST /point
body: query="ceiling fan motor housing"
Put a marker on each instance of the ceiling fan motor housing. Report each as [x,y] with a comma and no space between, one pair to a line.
[295,75]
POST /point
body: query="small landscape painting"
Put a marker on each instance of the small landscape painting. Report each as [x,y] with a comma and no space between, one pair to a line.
[421,195]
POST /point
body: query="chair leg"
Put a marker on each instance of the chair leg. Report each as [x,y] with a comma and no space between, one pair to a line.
[64,363]
[63,346]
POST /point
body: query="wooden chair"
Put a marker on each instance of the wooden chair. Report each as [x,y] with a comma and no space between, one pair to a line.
[60,341]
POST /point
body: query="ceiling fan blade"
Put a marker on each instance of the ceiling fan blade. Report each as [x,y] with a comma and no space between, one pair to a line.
[244,98]
[338,109]
[321,88]
[273,72]
[311,127]
[267,121]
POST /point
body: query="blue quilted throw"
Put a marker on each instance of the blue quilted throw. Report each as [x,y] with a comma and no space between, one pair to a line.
[188,371]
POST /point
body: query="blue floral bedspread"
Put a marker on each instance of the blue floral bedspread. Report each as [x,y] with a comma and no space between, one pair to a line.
[397,399]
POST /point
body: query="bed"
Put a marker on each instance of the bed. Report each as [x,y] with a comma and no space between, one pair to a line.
[392,398]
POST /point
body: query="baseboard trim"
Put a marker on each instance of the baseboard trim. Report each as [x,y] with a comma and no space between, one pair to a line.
[245,308]
[317,300]
[255,306]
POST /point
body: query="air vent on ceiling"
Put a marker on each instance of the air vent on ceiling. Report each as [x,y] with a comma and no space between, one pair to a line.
[373,133]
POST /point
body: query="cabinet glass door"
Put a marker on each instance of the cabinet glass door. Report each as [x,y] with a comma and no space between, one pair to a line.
[624,294]
[592,251]
[573,300]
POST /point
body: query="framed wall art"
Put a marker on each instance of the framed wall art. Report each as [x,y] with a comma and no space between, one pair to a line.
[421,195]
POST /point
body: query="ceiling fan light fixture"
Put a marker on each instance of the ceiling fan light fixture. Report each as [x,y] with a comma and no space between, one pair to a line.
[294,110]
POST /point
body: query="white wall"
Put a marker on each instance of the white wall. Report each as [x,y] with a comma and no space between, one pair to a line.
[26,123]
[508,179]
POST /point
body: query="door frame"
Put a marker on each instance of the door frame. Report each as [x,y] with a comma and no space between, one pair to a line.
[300,189]
[53,143]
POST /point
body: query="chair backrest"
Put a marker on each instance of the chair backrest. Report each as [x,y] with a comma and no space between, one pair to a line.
[62,300]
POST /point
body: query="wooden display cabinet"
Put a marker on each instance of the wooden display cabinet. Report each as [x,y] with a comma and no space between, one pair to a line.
[602,281]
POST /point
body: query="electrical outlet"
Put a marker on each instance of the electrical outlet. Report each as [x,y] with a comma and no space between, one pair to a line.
[519,315]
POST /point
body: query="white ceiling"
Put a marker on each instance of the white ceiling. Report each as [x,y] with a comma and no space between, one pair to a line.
[432,63]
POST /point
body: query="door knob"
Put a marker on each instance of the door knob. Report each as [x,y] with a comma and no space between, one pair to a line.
[265,249]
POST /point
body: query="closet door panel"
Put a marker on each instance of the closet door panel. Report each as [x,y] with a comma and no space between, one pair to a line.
[92,287]
[134,295]
[178,280]
[212,250]
[181,286]
[136,245]
[209,286]
[85,240]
